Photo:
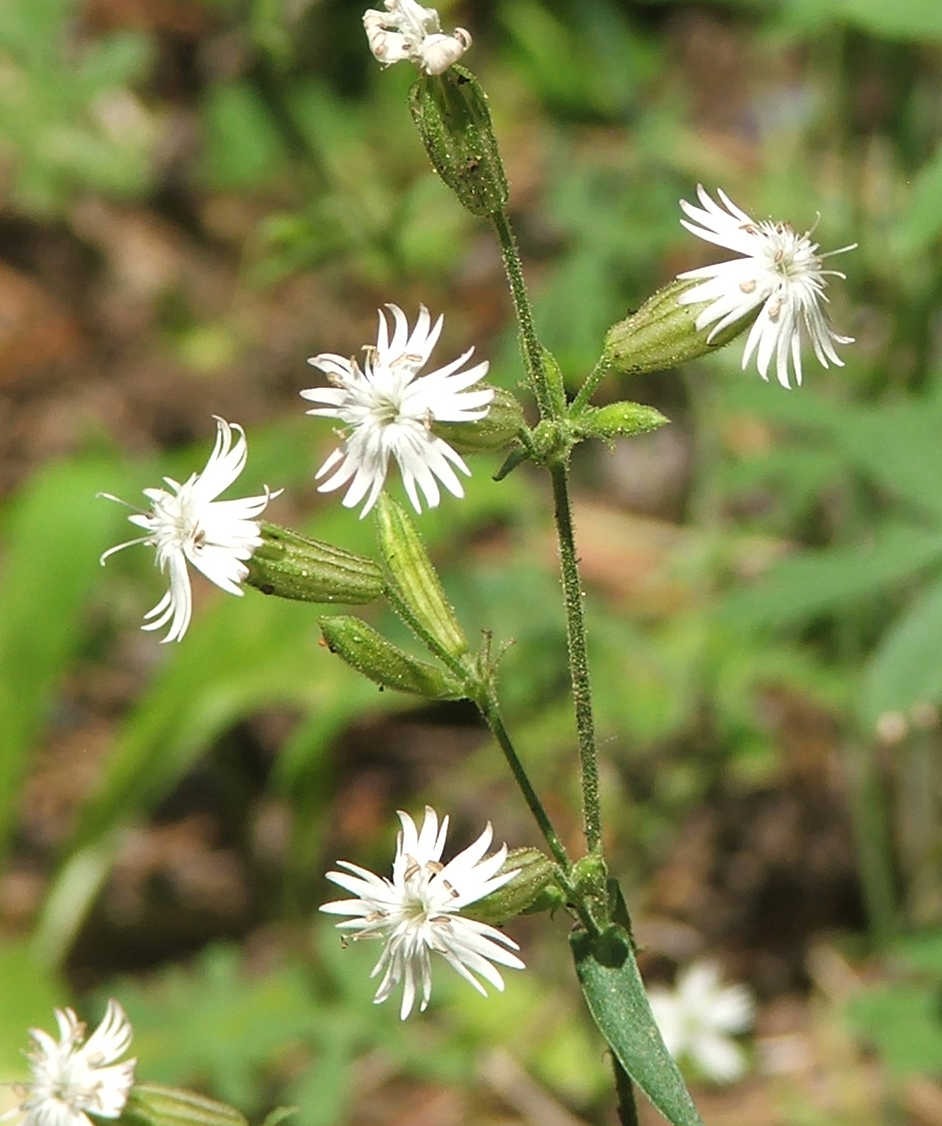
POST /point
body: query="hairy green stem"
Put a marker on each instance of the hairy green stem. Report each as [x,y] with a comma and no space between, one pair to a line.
[578,656]
[587,390]
[551,398]
[627,1110]
[529,343]
[491,712]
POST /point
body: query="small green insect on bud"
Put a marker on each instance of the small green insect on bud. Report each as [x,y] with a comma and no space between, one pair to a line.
[662,333]
[617,420]
[413,587]
[450,111]
[290,565]
[495,431]
[367,651]
[532,889]
[150,1104]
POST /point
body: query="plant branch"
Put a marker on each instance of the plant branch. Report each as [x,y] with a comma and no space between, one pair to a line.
[543,390]
[578,656]
[491,712]
[587,390]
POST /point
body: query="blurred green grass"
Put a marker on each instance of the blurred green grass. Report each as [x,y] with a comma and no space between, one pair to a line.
[609,115]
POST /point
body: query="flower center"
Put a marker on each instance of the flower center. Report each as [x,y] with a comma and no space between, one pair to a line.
[176,521]
[424,902]
[791,255]
[386,409]
[71,1085]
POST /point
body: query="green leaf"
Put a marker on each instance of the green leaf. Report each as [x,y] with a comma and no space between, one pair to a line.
[29,995]
[923,219]
[815,582]
[614,991]
[243,149]
[894,444]
[280,1114]
[902,1022]
[906,669]
[214,1023]
[152,1104]
[904,19]
[55,533]
[921,952]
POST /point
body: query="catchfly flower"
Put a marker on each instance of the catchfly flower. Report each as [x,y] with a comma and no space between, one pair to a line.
[74,1077]
[698,1016]
[186,524]
[406,30]
[418,911]
[780,273]
[388,410]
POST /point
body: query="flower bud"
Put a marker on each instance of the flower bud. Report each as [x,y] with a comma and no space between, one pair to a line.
[450,111]
[662,333]
[530,890]
[367,651]
[150,1104]
[495,431]
[290,565]
[617,420]
[413,586]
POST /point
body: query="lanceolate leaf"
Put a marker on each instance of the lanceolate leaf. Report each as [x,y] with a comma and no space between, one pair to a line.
[618,1003]
[54,534]
[906,668]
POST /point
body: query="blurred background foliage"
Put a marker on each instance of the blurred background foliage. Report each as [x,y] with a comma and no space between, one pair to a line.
[197,194]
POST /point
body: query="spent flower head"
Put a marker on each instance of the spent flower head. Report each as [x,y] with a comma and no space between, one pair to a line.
[186,524]
[74,1076]
[406,30]
[699,1015]
[388,410]
[780,274]
[418,911]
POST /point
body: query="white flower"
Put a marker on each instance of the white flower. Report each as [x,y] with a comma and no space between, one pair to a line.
[781,271]
[188,524]
[406,30]
[419,910]
[698,1015]
[77,1077]
[389,411]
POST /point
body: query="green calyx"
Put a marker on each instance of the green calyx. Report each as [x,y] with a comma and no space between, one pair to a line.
[450,111]
[289,565]
[498,429]
[617,420]
[663,333]
[367,651]
[413,587]
[531,889]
